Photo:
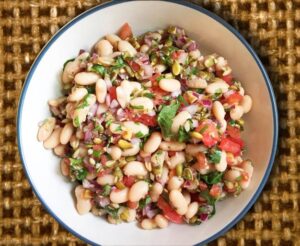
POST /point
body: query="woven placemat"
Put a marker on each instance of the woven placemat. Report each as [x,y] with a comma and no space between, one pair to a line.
[272,27]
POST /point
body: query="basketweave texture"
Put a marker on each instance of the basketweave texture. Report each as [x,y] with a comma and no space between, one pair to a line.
[272,27]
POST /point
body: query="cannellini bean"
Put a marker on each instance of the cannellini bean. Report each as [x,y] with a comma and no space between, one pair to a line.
[64,168]
[222,165]
[105,60]
[218,110]
[164,176]
[91,175]
[119,196]
[178,201]
[138,191]
[223,124]
[59,150]
[113,39]
[153,142]
[66,133]
[148,224]
[102,108]
[86,78]
[115,152]
[77,94]
[101,90]
[144,102]
[131,215]
[161,221]
[218,85]
[144,48]
[160,68]
[122,97]
[246,104]
[175,183]
[194,149]
[74,142]
[130,86]
[52,141]
[176,159]
[83,205]
[195,54]
[136,127]
[104,48]
[155,192]
[56,102]
[248,168]
[179,120]
[135,168]
[106,179]
[46,129]
[241,91]
[131,151]
[232,175]
[169,85]
[197,83]
[237,112]
[187,197]
[79,134]
[125,46]
[172,146]
[192,210]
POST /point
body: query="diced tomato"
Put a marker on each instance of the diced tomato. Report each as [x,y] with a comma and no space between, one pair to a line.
[168,211]
[158,95]
[201,162]
[215,190]
[239,141]
[112,93]
[125,31]
[234,98]
[233,132]
[103,159]
[135,67]
[128,181]
[202,186]
[146,120]
[104,172]
[97,147]
[171,153]
[132,205]
[229,146]
[226,78]
[245,176]
[209,132]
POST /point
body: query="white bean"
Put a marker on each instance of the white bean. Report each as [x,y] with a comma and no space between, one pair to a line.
[169,85]
[197,83]
[125,46]
[194,149]
[77,94]
[246,104]
[46,129]
[105,60]
[115,152]
[164,176]
[248,168]
[83,205]
[160,68]
[130,86]
[52,141]
[66,133]
[91,175]
[131,151]
[172,146]
[195,54]
[175,183]
[176,159]
[86,78]
[119,196]
[179,120]
[112,220]
[222,165]
[155,192]
[192,210]
[218,110]
[56,102]
[138,191]
[59,150]
[153,142]
[136,127]
[178,201]
[148,224]
[122,96]
[218,85]
[144,48]
[135,168]
[102,108]
[232,175]
[131,215]
[106,179]
[145,103]
[104,48]
[223,127]
[187,197]
[74,142]
[64,168]
[161,221]
[237,112]
[113,39]
[101,90]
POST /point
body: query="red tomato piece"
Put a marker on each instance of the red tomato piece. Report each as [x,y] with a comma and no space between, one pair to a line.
[171,153]
[135,67]
[229,146]
[103,159]
[202,186]
[104,172]
[227,78]
[239,141]
[112,93]
[168,211]
[128,181]
[125,31]
[132,205]
[234,98]
[201,162]
[146,120]
[245,176]
[233,132]
[215,191]
[209,132]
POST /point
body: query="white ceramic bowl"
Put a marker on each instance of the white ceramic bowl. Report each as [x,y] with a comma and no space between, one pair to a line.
[42,83]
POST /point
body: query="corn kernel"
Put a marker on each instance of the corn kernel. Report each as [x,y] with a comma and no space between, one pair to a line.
[196,135]
[176,68]
[124,144]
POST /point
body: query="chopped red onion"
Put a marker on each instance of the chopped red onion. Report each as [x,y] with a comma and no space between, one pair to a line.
[192,109]
[88,135]
[107,100]
[175,94]
[203,217]
[103,201]
[86,184]
[135,141]
[114,103]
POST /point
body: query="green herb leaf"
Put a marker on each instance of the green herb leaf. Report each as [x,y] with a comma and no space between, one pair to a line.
[113,212]
[200,91]
[149,95]
[212,178]
[118,128]
[139,134]
[119,63]
[77,169]
[166,116]
[106,190]
[210,200]
[183,135]
[66,62]
[215,156]
[76,122]
[84,102]
[137,106]
[97,153]
[182,100]
[99,69]
[144,202]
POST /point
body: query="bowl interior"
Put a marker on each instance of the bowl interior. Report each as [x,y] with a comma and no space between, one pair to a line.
[42,166]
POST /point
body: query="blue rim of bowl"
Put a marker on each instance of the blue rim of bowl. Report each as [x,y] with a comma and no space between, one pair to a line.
[211,15]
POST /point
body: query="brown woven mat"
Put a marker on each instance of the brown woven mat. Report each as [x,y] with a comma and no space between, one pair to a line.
[272,28]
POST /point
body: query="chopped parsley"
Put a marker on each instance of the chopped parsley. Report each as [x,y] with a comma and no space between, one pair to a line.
[99,69]
[215,156]
[106,190]
[183,135]
[212,178]
[66,62]
[139,135]
[113,212]
[144,202]
[77,170]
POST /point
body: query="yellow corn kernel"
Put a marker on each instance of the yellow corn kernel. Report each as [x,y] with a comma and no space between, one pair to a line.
[124,144]
[124,215]
[196,135]
[176,68]
[130,158]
